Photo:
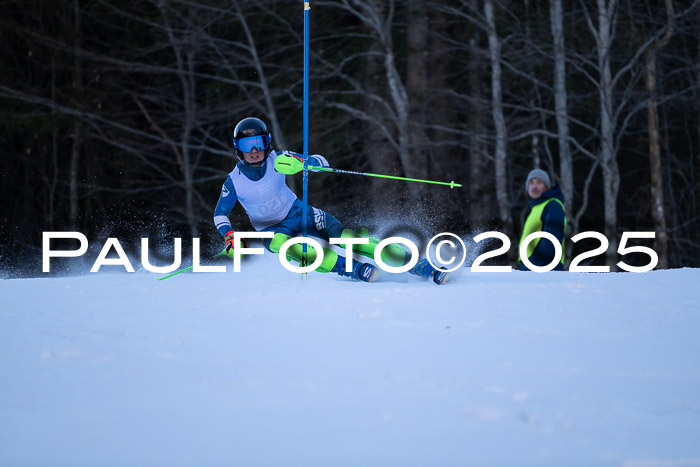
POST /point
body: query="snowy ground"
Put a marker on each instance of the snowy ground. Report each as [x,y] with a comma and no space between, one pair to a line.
[261,368]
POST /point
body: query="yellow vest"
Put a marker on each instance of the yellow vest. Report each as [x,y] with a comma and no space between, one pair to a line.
[533,223]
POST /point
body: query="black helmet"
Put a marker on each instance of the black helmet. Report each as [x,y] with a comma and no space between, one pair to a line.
[251,133]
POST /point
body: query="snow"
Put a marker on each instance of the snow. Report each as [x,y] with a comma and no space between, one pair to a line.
[262,368]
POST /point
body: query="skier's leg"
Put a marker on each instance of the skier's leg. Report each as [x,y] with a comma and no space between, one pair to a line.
[291,226]
[332,262]
[294,252]
[393,254]
[323,225]
[326,226]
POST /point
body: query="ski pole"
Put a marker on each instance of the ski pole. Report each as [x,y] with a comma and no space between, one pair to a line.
[187,269]
[289,165]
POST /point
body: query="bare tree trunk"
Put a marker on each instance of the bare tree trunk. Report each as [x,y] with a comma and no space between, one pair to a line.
[696,186]
[190,102]
[479,188]
[608,157]
[381,155]
[441,114]
[439,107]
[417,80]
[416,86]
[560,102]
[53,180]
[657,187]
[182,155]
[382,26]
[378,18]
[73,173]
[566,170]
[658,213]
[535,150]
[502,195]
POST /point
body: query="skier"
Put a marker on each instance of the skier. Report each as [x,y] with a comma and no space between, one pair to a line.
[273,207]
[547,214]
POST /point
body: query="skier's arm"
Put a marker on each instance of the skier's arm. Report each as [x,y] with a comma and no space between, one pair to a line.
[553,222]
[227,200]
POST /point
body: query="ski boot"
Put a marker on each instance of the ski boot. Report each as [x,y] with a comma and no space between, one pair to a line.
[364,272]
[423,268]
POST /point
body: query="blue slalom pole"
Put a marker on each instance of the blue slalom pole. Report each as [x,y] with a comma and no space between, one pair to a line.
[304,230]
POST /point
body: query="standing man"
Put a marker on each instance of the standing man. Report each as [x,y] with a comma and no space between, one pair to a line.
[273,207]
[547,214]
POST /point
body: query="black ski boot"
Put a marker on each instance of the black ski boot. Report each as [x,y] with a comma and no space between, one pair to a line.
[423,268]
[364,272]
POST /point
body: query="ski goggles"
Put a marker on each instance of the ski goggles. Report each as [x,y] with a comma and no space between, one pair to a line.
[247,144]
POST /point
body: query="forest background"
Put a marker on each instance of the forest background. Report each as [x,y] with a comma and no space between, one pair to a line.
[117,116]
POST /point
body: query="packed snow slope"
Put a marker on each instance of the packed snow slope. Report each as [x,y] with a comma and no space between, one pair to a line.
[260,368]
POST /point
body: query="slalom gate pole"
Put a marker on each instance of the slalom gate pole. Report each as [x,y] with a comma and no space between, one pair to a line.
[305,210]
[187,269]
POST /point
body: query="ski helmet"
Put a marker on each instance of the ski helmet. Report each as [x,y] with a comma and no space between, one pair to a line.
[251,133]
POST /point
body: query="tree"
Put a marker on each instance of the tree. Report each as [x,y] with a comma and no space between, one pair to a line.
[657,186]
[566,171]
[501,157]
